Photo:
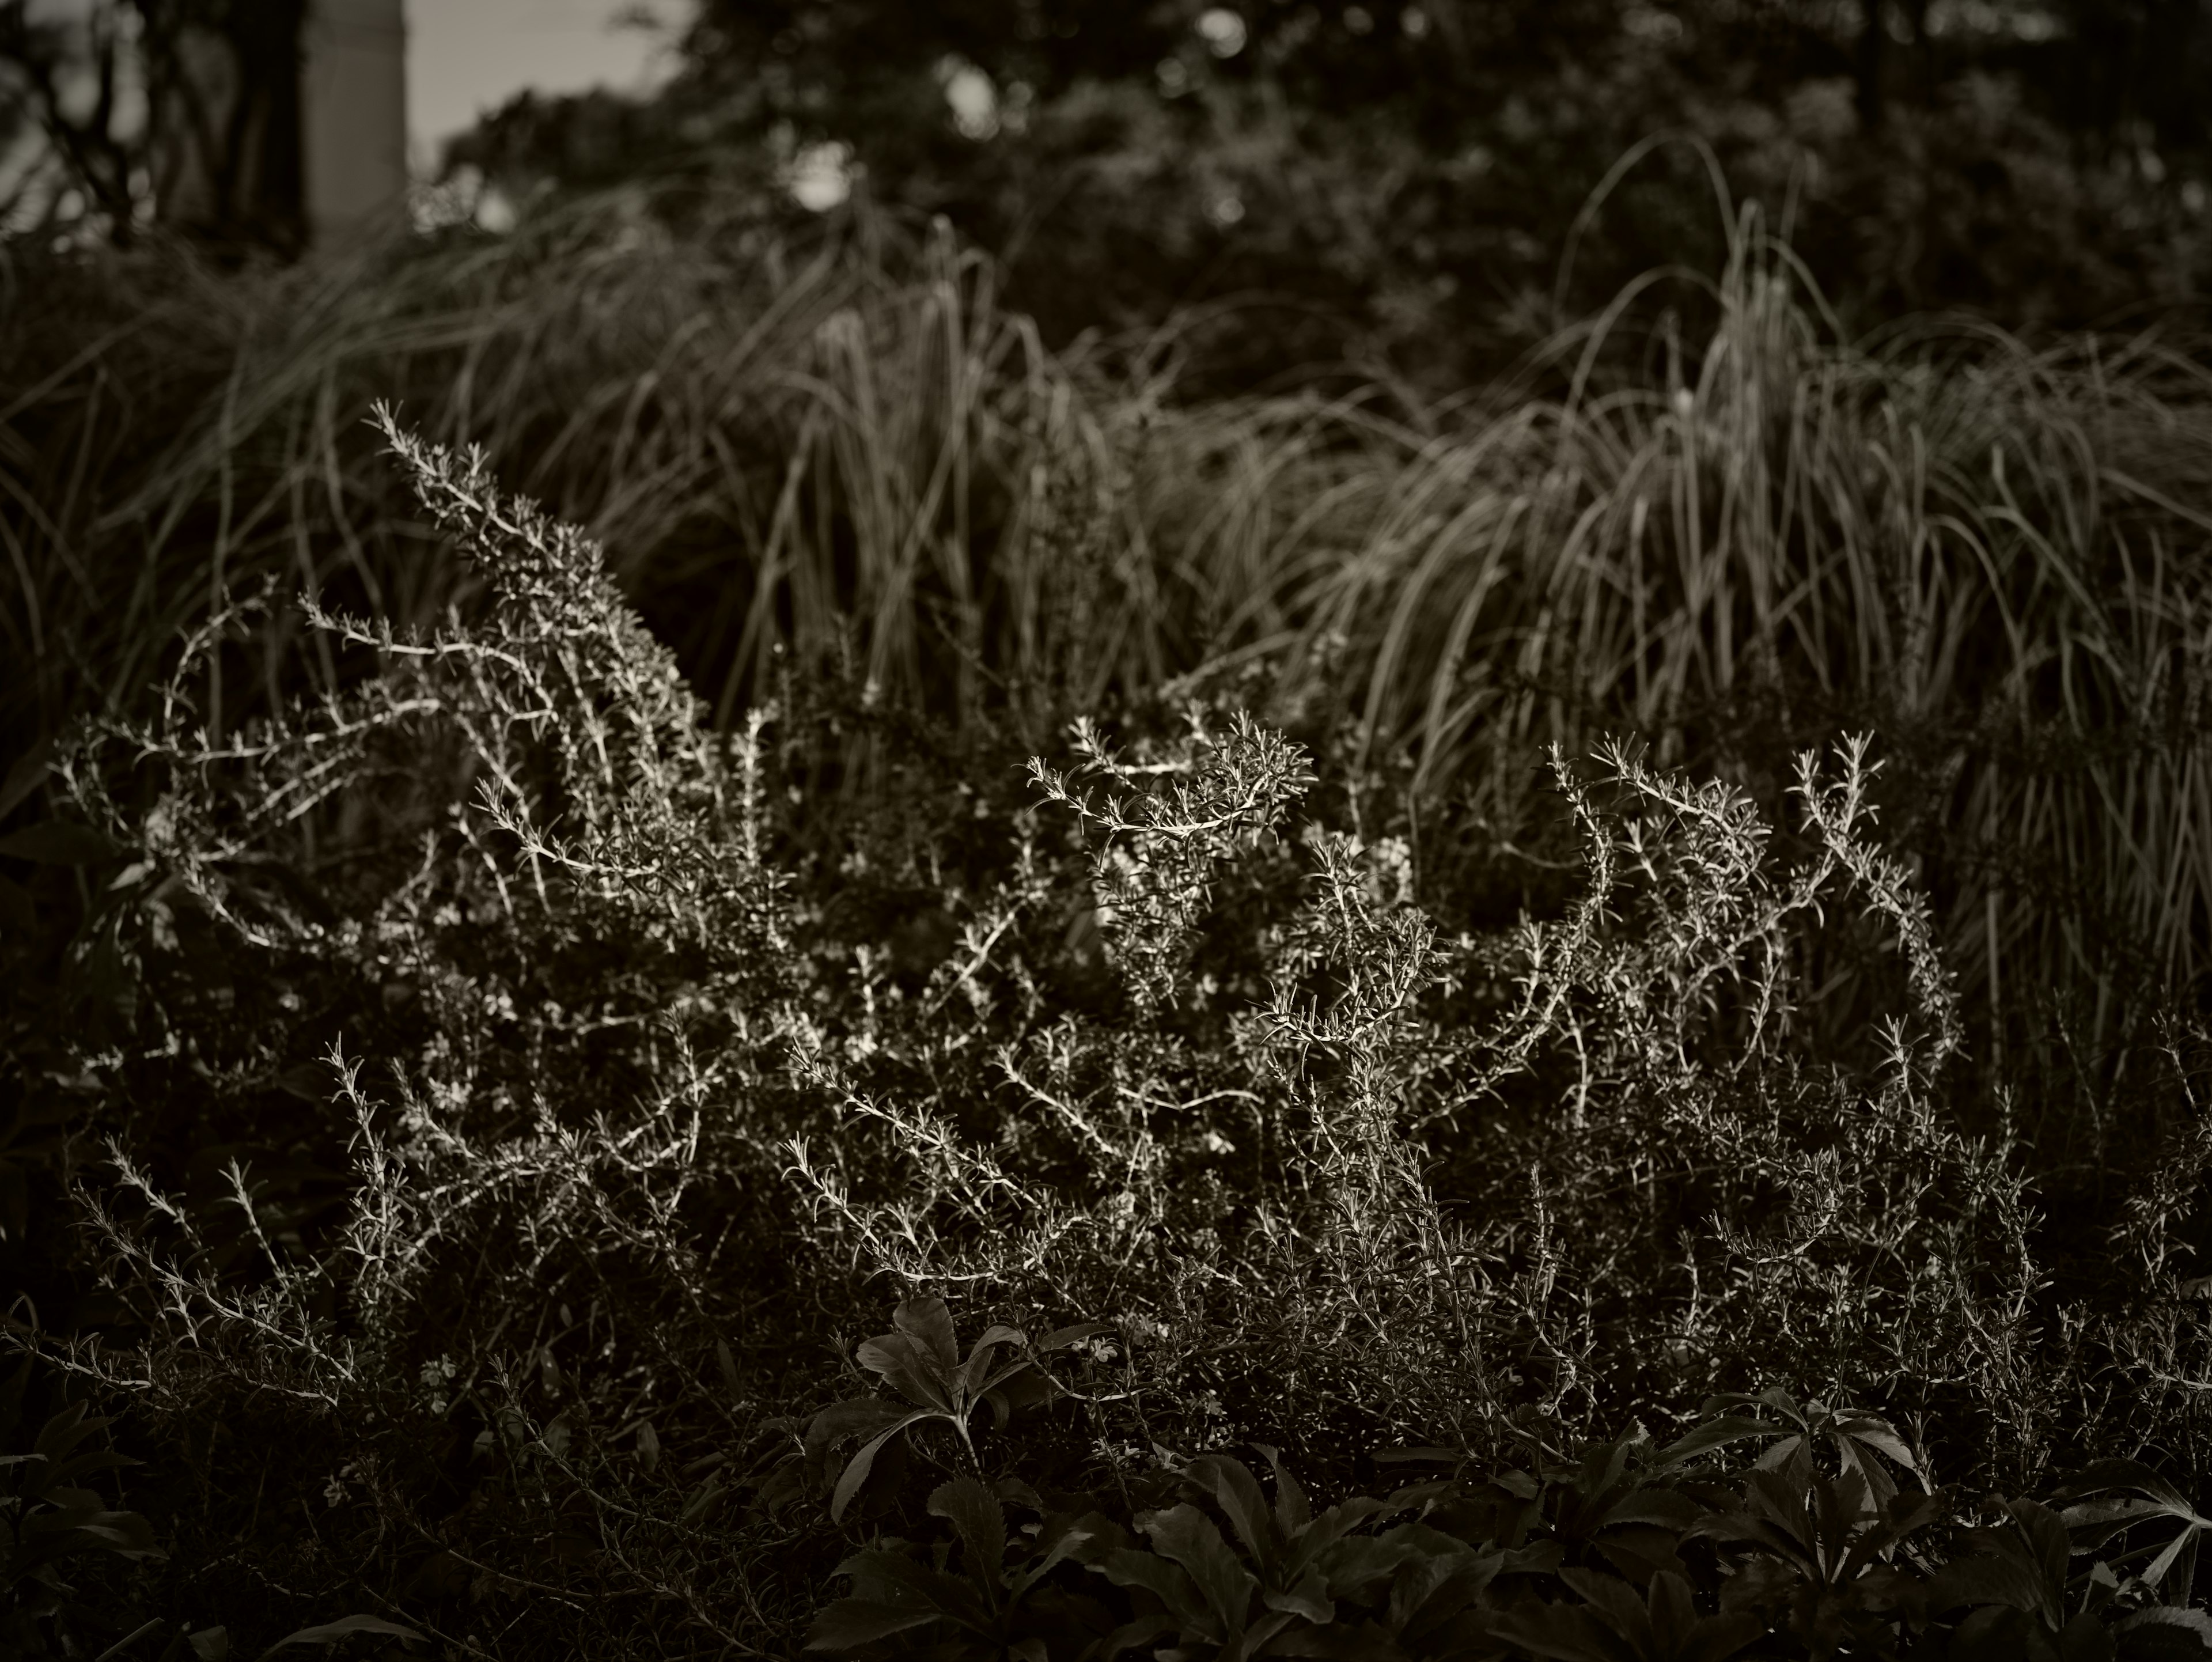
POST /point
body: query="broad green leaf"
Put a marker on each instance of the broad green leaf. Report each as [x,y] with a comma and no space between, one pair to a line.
[1612,1600]
[928,1322]
[115,1652]
[1595,1485]
[877,1572]
[2164,1633]
[1236,1492]
[2084,1640]
[901,1360]
[1780,1454]
[1517,1483]
[1782,1404]
[1877,1433]
[1360,1560]
[1433,1586]
[65,1430]
[1427,1454]
[2129,1474]
[2046,1536]
[1335,1524]
[1671,1619]
[1714,1433]
[989,1383]
[79,1521]
[1070,1541]
[1132,1567]
[892,1578]
[1564,1633]
[1779,1528]
[2108,1516]
[1687,1637]
[2000,1632]
[1309,1598]
[976,1516]
[703,1500]
[1666,1507]
[857,1470]
[1060,1337]
[2094,1521]
[1639,1551]
[1538,1558]
[1292,1512]
[330,1632]
[2182,1545]
[2020,1562]
[975,1372]
[1984,1578]
[851,1417]
[1878,1484]
[1142,1631]
[1363,1642]
[1189,1537]
[849,1623]
[1016,1493]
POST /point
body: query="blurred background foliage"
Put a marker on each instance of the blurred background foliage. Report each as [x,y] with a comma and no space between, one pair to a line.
[1397,184]
[1393,187]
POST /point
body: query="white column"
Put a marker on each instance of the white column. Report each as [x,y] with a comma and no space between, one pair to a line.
[354,114]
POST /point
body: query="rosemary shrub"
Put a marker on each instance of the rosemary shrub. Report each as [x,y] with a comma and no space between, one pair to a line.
[518,1099]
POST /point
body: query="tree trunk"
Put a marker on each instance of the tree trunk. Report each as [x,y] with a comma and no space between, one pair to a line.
[1873,61]
[224,81]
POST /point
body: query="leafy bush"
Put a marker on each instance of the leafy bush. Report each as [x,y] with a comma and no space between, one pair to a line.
[1630,1551]
[50,1516]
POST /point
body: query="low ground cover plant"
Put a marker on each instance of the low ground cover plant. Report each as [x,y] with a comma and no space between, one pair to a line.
[1633,1550]
[503,1103]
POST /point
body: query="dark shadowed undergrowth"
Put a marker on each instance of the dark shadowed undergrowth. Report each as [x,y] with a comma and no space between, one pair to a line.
[1544,952]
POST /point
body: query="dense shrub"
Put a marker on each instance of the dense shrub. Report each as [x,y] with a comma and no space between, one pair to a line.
[821,454]
[515,1096]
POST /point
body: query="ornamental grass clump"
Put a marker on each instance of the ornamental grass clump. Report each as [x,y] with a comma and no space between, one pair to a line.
[515,1115]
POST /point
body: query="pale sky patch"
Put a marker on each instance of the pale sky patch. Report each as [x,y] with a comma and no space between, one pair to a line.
[466,58]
